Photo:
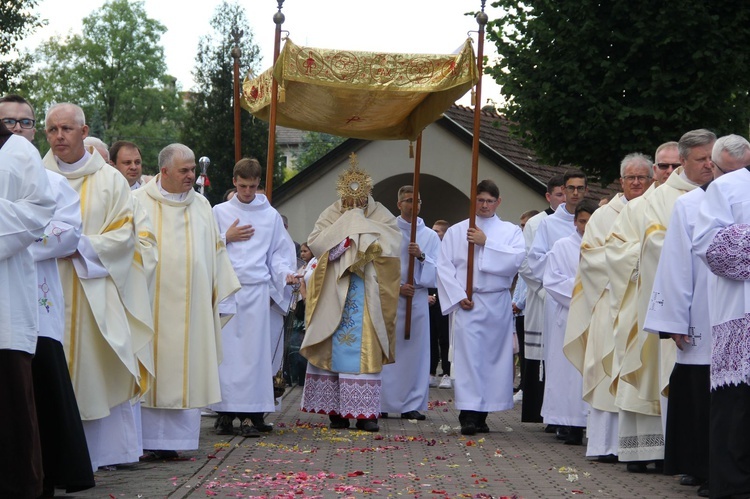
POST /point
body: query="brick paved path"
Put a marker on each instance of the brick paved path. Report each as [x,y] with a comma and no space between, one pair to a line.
[302,458]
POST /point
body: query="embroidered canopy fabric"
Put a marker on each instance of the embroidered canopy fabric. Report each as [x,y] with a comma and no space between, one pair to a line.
[364,95]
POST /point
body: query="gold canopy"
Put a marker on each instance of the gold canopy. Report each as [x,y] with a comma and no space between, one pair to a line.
[364,95]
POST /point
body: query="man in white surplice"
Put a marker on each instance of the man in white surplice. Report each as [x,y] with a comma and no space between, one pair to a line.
[720,239]
[680,308]
[563,402]
[26,207]
[263,256]
[108,321]
[551,229]
[66,459]
[406,382]
[533,376]
[193,275]
[483,325]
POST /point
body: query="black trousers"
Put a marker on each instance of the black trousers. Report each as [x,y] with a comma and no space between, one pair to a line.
[729,442]
[65,454]
[20,454]
[521,348]
[439,338]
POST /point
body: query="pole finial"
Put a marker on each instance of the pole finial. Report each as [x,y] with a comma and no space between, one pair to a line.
[481,16]
[236,37]
[278,17]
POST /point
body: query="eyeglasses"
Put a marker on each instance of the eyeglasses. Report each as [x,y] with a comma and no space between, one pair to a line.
[664,166]
[722,170]
[633,178]
[24,122]
[486,201]
[575,188]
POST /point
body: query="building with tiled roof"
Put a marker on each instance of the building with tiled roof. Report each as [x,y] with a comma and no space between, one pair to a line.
[445,173]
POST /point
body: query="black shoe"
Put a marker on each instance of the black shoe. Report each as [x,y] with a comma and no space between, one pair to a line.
[575,436]
[164,454]
[609,459]
[550,428]
[468,428]
[247,429]
[368,425]
[223,425]
[259,422]
[413,415]
[384,415]
[703,490]
[562,432]
[639,467]
[483,428]
[337,422]
[689,480]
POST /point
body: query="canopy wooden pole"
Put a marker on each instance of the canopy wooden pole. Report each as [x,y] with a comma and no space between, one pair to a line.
[413,237]
[481,18]
[278,19]
[236,55]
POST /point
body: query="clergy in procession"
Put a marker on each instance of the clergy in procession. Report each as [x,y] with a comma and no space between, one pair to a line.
[588,334]
[108,321]
[26,208]
[482,366]
[649,353]
[65,456]
[262,254]
[563,404]
[559,224]
[640,436]
[533,376]
[406,382]
[679,308]
[126,157]
[556,226]
[193,275]
[721,238]
[350,310]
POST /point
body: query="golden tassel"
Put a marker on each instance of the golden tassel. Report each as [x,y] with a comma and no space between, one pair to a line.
[282,94]
[473,97]
[411,149]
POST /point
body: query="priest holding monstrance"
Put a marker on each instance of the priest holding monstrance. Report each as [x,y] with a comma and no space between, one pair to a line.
[351,304]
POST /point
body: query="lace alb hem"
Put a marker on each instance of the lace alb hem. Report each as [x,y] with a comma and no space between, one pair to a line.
[730,353]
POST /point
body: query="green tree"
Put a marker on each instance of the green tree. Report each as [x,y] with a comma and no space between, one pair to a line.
[316,146]
[116,72]
[587,82]
[19,21]
[210,123]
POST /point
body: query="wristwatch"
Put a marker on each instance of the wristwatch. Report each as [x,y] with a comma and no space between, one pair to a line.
[421,257]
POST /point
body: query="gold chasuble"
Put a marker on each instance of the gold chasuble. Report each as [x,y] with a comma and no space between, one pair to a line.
[648,365]
[589,333]
[375,256]
[193,275]
[623,250]
[365,95]
[108,324]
